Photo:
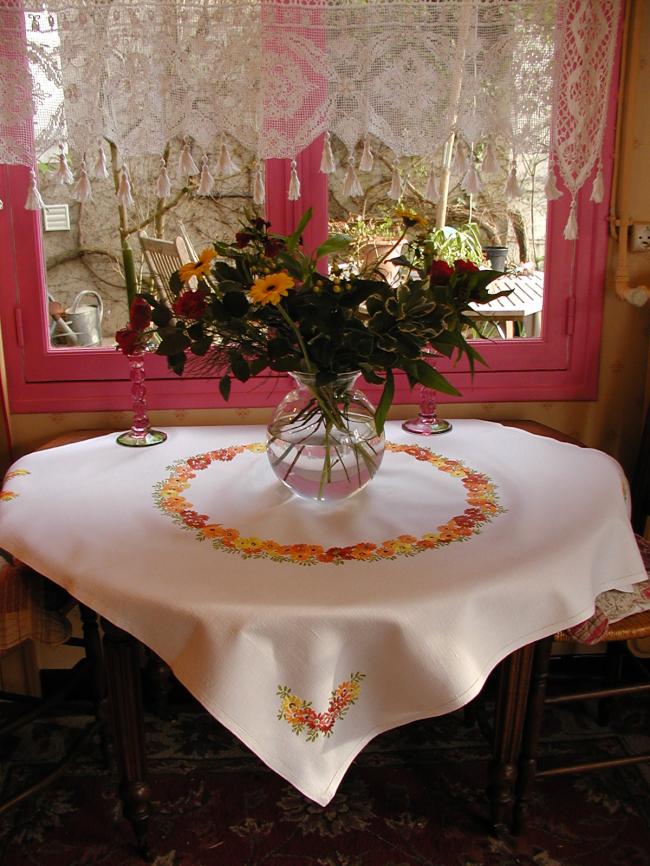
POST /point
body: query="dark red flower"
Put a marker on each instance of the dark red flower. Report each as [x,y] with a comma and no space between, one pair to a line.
[140,317]
[272,246]
[129,340]
[260,224]
[190,305]
[242,239]
[464,266]
[440,272]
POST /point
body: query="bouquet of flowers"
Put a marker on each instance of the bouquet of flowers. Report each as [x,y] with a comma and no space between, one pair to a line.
[261,303]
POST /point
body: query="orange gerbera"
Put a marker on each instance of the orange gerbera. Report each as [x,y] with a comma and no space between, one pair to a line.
[271,289]
[197,269]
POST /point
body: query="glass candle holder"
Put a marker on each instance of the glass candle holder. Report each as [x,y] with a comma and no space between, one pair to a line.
[140,435]
[427,422]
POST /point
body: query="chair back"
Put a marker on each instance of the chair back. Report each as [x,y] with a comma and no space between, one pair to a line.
[163,258]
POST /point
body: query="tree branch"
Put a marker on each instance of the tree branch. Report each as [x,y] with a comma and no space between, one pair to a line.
[71,255]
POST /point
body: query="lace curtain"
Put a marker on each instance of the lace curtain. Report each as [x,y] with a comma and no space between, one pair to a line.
[445,80]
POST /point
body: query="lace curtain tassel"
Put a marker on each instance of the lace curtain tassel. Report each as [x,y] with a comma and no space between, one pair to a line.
[395,191]
[490,164]
[124,196]
[225,164]
[294,183]
[471,182]
[367,159]
[352,188]
[512,188]
[432,191]
[63,174]
[460,165]
[327,163]
[571,227]
[206,183]
[259,192]
[186,165]
[101,169]
[550,187]
[597,189]
[34,200]
[163,182]
[82,191]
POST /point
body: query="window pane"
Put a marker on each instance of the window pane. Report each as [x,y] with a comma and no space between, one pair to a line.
[83,242]
[489,228]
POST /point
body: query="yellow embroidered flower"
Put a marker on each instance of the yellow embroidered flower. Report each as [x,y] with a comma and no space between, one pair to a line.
[410,218]
[197,269]
[256,447]
[291,707]
[271,289]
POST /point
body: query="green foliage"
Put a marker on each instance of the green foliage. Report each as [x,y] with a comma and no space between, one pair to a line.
[450,244]
[263,305]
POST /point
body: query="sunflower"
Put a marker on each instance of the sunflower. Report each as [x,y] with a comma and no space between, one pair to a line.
[410,218]
[197,269]
[271,289]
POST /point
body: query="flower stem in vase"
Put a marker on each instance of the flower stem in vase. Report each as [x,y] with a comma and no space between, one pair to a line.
[140,435]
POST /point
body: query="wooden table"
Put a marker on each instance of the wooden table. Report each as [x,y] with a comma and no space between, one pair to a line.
[122,669]
[518,312]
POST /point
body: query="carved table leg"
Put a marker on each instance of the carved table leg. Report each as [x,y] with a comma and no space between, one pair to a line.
[93,644]
[159,682]
[121,658]
[514,681]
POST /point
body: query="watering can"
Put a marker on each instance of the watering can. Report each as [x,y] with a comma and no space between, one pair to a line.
[84,319]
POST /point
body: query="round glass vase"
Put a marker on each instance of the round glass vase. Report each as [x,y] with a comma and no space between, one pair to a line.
[322,442]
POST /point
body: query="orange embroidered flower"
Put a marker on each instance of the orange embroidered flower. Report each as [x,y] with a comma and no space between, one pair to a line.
[481,499]
[174,502]
[212,530]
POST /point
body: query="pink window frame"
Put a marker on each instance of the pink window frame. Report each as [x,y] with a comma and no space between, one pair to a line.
[560,365]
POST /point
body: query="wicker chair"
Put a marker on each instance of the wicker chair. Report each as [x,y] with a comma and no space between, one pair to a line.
[614,635]
[32,608]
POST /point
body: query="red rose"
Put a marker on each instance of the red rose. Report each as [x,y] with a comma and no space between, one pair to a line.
[273,246]
[140,317]
[242,239]
[190,305]
[464,266]
[129,340]
[440,272]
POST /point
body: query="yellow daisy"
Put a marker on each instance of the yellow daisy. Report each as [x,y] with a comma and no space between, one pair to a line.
[410,218]
[197,269]
[271,289]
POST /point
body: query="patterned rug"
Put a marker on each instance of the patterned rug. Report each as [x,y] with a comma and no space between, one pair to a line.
[414,797]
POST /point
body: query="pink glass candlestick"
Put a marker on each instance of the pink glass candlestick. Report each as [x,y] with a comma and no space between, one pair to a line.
[427,423]
[140,434]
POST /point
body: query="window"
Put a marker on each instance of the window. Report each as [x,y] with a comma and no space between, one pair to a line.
[560,362]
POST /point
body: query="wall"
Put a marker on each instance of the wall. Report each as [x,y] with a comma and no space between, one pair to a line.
[612,422]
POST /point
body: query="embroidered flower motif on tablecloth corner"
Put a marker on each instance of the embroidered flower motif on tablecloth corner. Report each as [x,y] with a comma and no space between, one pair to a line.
[303,717]
[7,495]
[481,500]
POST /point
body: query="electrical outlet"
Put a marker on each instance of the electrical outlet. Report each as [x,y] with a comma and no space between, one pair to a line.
[640,238]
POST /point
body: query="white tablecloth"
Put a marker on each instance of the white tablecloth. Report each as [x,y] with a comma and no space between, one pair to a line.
[305,628]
